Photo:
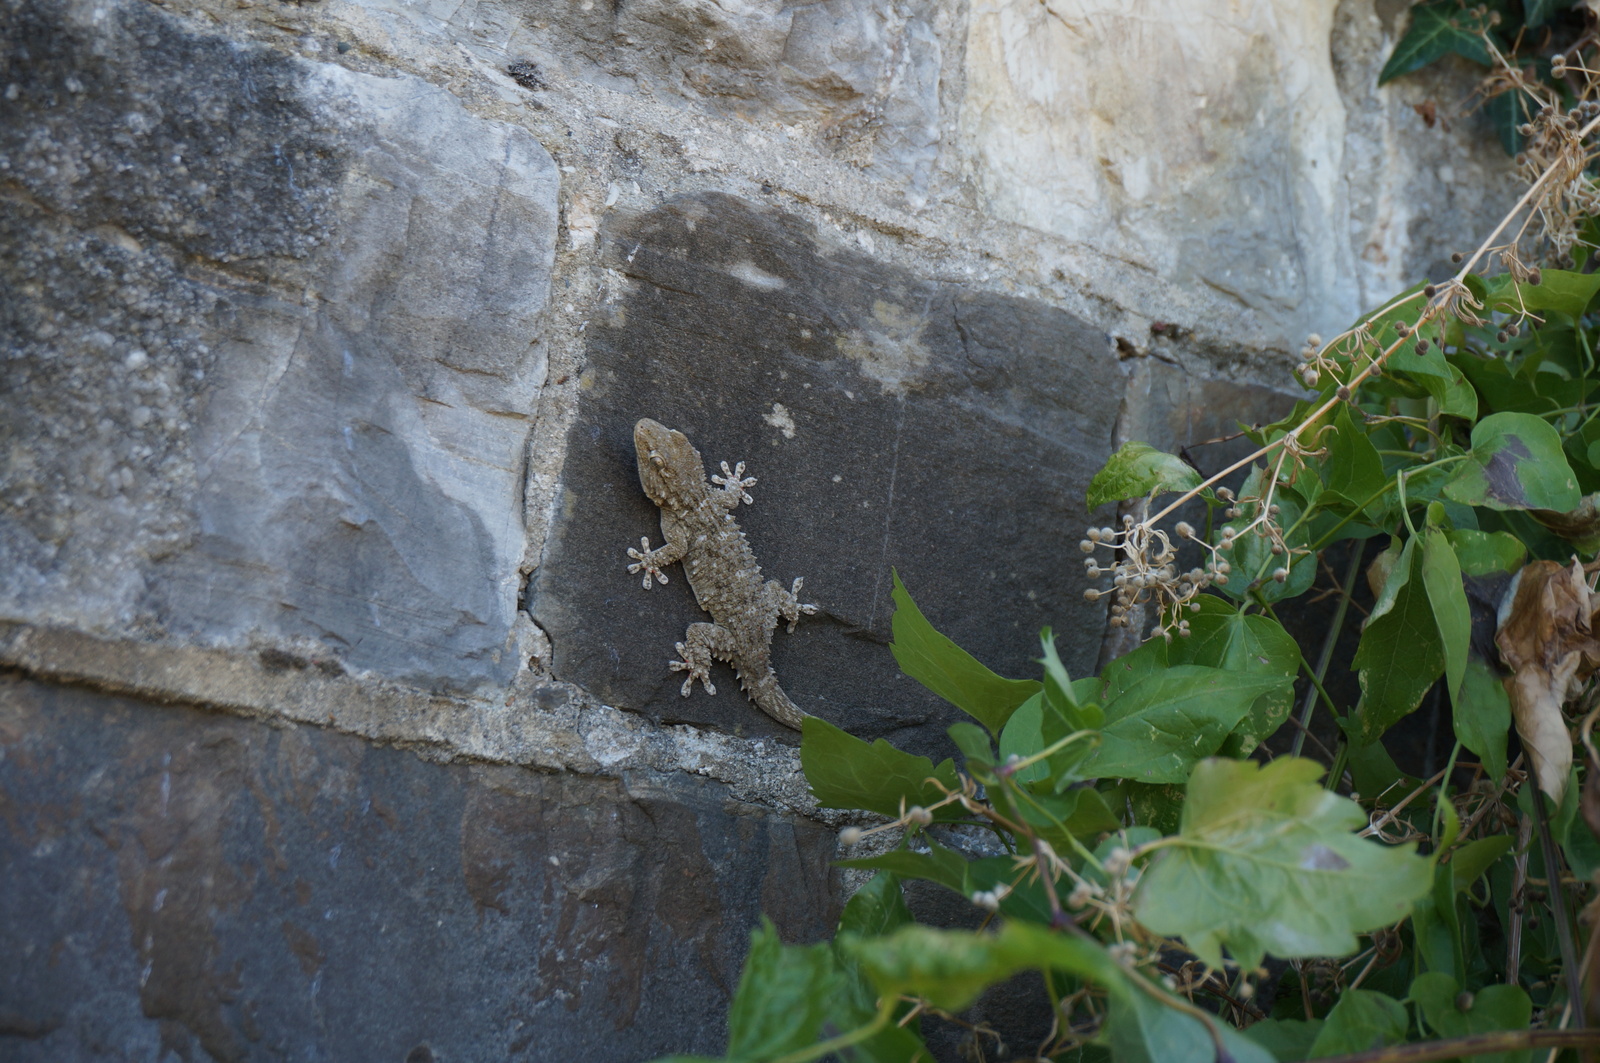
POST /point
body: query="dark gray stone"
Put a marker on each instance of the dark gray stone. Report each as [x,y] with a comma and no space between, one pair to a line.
[892,421]
[270,341]
[222,889]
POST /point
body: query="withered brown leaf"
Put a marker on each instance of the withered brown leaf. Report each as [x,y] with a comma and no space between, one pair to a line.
[1546,638]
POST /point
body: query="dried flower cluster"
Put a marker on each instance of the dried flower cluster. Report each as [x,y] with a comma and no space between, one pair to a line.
[1144,570]
[1558,147]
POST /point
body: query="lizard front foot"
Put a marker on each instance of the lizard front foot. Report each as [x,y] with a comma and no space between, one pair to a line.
[733,483]
[646,563]
[698,666]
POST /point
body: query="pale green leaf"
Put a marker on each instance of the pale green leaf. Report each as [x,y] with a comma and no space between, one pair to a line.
[1441,576]
[1222,637]
[949,968]
[1468,863]
[1137,470]
[1266,861]
[1353,470]
[945,866]
[1482,716]
[1362,1020]
[876,909]
[1565,291]
[1251,557]
[783,997]
[1289,1040]
[1491,1009]
[1160,726]
[1481,552]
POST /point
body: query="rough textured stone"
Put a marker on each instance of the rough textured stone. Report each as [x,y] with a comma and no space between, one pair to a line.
[1212,144]
[272,347]
[276,439]
[223,889]
[857,79]
[893,422]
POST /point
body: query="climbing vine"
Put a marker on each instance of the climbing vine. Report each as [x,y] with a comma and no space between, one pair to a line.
[1204,851]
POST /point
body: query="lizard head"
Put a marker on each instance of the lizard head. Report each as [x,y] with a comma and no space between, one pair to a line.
[670,468]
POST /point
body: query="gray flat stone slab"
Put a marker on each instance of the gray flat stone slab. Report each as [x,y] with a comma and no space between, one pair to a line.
[892,421]
[270,347]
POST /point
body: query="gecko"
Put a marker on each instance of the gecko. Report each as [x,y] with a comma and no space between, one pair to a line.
[700,531]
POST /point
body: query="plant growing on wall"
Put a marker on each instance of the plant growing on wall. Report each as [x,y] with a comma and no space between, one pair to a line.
[1187,894]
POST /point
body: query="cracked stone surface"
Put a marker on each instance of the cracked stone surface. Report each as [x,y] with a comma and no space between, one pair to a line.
[225,889]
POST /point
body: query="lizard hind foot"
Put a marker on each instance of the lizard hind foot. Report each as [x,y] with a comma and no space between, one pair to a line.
[798,608]
[696,669]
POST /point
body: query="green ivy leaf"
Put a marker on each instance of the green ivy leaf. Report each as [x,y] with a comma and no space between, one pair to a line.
[1353,471]
[1468,863]
[1157,729]
[786,995]
[1289,1040]
[1436,30]
[1024,732]
[949,968]
[945,866]
[950,671]
[1441,577]
[973,741]
[1564,291]
[1251,555]
[1438,378]
[783,997]
[1507,113]
[1538,12]
[1222,637]
[876,909]
[1143,1029]
[845,772]
[1136,470]
[1061,693]
[1516,463]
[1481,552]
[1401,653]
[1492,1008]
[1362,1020]
[1266,862]
[1482,716]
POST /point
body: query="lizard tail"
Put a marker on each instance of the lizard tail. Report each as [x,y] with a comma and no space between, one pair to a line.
[770,699]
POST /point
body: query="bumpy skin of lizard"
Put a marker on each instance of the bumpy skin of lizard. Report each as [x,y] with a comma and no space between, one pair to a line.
[697,521]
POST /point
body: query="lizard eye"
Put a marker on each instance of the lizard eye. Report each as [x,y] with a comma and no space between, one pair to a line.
[655,456]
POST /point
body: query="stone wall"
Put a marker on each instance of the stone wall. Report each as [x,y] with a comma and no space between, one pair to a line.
[332,724]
